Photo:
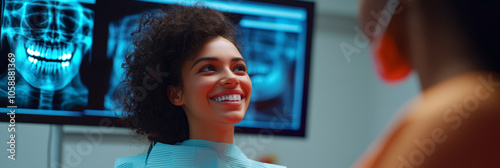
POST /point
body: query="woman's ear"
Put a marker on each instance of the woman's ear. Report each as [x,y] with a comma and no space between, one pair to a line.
[175,95]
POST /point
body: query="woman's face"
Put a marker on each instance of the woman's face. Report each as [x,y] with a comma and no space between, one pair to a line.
[216,84]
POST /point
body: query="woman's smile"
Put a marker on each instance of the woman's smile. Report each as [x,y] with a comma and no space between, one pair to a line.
[229,97]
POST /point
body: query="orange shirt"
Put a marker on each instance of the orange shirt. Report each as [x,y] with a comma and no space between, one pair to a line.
[455,123]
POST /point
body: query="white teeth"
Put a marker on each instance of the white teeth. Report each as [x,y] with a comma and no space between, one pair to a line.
[58,53]
[47,66]
[43,53]
[51,67]
[55,67]
[55,54]
[235,97]
[43,65]
[49,53]
[31,52]
[65,64]
[66,56]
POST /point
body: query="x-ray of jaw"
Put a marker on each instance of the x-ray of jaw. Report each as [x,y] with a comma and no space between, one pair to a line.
[119,41]
[49,40]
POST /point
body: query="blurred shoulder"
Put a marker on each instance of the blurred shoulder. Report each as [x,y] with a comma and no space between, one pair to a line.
[257,164]
[131,162]
[452,124]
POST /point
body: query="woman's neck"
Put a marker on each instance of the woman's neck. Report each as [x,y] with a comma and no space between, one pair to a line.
[215,132]
[438,50]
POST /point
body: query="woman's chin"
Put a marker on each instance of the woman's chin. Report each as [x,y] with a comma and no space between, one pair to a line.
[234,117]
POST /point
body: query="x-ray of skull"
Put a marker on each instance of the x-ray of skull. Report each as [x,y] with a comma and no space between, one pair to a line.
[49,40]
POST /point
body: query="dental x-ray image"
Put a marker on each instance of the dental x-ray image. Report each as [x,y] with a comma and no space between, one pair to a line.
[50,40]
[270,56]
[119,43]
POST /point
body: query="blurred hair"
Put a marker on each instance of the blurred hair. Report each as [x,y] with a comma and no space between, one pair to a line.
[480,20]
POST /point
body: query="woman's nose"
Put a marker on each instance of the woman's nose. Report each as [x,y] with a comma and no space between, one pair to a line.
[229,80]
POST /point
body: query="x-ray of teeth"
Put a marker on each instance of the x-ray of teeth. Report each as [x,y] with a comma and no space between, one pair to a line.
[270,57]
[50,40]
[119,41]
[269,62]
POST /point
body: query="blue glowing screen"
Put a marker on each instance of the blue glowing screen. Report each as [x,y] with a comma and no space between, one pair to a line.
[273,47]
[49,40]
[69,55]
[119,43]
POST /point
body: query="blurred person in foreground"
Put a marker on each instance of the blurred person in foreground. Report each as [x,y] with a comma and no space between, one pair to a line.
[452,46]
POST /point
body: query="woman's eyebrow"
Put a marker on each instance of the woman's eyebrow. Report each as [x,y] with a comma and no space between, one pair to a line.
[203,59]
[238,59]
[215,59]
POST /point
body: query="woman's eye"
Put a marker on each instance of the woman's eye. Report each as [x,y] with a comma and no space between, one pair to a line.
[241,68]
[207,68]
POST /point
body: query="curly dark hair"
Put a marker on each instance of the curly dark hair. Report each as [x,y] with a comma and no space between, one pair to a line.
[165,39]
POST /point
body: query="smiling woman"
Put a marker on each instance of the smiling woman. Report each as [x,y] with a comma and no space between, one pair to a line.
[215,91]
[189,118]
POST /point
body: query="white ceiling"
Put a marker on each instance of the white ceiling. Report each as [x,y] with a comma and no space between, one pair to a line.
[347,8]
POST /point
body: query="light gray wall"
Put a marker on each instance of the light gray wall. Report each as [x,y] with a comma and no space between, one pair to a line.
[31,145]
[348,108]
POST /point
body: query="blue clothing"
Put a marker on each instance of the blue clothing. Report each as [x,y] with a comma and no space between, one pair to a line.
[192,153]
